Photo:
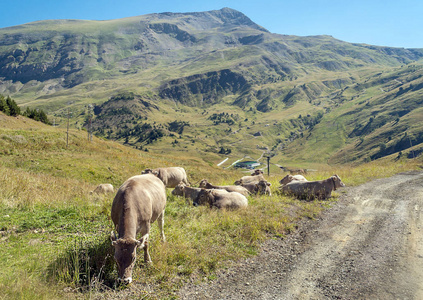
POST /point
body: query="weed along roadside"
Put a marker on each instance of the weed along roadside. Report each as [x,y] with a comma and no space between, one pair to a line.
[55,234]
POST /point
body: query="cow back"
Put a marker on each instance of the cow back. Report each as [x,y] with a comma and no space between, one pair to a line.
[172,176]
[252,179]
[228,200]
[141,198]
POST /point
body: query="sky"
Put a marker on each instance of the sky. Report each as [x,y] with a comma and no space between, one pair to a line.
[390,23]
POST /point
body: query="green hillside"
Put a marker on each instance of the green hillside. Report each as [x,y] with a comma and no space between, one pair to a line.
[54,234]
[214,85]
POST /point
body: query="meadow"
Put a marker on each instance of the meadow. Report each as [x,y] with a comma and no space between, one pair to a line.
[54,234]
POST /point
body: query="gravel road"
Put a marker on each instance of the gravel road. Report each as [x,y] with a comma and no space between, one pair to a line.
[369,245]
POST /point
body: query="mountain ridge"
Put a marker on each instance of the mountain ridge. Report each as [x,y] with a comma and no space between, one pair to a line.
[183,64]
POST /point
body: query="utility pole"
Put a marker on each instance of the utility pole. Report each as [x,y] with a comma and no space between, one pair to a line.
[90,115]
[268,155]
[411,145]
[67,130]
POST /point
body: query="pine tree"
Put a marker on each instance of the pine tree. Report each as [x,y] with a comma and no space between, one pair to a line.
[13,107]
[43,117]
[3,105]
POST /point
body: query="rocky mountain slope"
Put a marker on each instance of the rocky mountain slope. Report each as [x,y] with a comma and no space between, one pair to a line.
[289,94]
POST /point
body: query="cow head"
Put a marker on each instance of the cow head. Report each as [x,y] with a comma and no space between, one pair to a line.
[179,189]
[125,256]
[262,187]
[205,197]
[147,171]
[287,179]
[203,184]
[256,172]
[337,183]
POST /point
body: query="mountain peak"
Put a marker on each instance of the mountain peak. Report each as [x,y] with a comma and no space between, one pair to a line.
[234,17]
[226,16]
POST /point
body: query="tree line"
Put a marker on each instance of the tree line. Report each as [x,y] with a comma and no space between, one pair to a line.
[9,107]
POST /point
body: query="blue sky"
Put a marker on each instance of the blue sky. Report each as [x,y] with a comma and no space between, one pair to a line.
[377,22]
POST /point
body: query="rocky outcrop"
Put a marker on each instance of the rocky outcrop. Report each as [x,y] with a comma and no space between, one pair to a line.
[205,88]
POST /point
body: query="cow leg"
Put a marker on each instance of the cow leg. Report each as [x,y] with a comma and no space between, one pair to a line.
[160,221]
[147,258]
[144,244]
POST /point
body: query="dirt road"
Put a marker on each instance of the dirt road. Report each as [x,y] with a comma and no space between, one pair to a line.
[369,245]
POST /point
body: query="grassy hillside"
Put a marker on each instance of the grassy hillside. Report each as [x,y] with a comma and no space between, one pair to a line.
[378,117]
[54,234]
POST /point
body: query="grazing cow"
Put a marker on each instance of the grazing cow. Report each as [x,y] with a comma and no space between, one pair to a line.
[308,190]
[222,199]
[294,171]
[138,203]
[188,192]
[263,188]
[230,188]
[250,179]
[103,188]
[170,176]
[297,171]
[290,178]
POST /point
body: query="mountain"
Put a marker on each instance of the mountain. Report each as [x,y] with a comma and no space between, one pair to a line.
[216,82]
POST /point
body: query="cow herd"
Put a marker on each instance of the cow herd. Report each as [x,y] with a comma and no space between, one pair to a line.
[141,200]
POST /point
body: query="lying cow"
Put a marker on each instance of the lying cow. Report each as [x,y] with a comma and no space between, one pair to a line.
[188,192]
[230,188]
[138,203]
[309,190]
[221,199]
[170,176]
[290,178]
[252,187]
[103,188]
[249,179]
[263,188]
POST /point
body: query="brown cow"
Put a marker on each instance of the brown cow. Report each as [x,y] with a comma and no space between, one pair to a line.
[103,188]
[297,171]
[230,188]
[289,178]
[308,190]
[138,203]
[253,187]
[222,199]
[170,176]
[188,192]
[263,188]
[249,179]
